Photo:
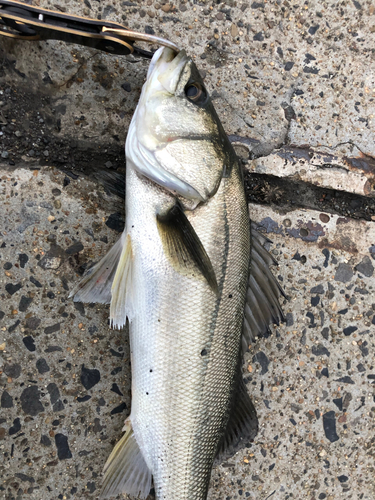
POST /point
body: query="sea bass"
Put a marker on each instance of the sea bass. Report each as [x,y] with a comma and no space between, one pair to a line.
[180,274]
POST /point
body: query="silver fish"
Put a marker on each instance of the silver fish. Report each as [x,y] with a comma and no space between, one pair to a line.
[180,274]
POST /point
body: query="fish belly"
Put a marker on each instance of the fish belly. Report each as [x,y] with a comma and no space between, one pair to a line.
[185,339]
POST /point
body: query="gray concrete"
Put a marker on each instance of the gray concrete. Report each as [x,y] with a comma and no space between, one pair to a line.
[64,376]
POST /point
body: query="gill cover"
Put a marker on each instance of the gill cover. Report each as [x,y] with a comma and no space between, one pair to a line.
[175,139]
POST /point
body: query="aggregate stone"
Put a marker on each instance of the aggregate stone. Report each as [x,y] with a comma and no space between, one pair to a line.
[349,330]
[329,425]
[261,358]
[35,282]
[24,477]
[320,350]
[116,221]
[12,288]
[89,377]
[45,440]
[24,303]
[365,267]
[346,380]
[30,401]
[16,427]
[29,343]
[119,409]
[62,445]
[344,273]
[33,323]
[6,400]
[52,329]
[42,366]
[13,370]
[338,403]
[75,248]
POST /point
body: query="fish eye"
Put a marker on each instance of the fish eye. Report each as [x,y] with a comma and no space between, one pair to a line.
[195,93]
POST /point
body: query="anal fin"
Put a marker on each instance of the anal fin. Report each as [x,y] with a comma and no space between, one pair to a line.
[126,471]
[242,425]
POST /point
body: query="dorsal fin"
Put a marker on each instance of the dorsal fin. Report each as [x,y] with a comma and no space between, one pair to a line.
[263,293]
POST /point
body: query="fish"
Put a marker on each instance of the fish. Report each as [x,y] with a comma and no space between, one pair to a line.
[192,277]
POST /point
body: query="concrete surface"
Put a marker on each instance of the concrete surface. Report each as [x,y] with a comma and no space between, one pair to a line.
[294,87]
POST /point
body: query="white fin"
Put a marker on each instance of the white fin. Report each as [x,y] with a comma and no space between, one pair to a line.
[126,470]
[97,283]
[121,306]
[263,293]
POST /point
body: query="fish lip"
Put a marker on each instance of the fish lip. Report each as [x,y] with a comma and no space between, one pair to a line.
[146,164]
[169,76]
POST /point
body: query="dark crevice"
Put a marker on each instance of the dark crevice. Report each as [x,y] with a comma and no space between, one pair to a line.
[286,194]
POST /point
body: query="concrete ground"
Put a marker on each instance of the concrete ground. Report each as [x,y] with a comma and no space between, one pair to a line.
[294,86]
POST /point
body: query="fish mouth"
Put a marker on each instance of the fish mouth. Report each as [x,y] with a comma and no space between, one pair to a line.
[142,142]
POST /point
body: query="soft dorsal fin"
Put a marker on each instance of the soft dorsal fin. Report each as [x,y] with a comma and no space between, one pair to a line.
[183,247]
[126,471]
[97,283]
[242,425]
[263,293]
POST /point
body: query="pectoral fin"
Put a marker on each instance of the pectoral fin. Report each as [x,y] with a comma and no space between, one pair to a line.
[121,302]
[96,284]
[109,282]
[126,471]
[183,247]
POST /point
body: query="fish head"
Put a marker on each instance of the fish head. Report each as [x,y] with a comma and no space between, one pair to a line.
[176,138]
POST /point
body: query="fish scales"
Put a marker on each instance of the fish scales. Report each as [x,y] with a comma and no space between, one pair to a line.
[180,275]
[186,394]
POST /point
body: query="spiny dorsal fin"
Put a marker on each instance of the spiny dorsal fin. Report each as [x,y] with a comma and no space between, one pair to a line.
[264,291]
[242,425]
[96,284]
[126,471]
[183,247]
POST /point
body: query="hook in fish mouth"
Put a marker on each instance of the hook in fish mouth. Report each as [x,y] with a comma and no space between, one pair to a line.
[136,36]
